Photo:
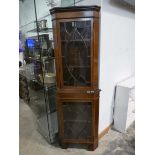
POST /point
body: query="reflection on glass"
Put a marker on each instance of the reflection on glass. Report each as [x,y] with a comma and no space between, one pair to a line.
[45,112]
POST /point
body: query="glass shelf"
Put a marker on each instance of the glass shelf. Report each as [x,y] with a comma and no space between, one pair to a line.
[46,30]
[38,59]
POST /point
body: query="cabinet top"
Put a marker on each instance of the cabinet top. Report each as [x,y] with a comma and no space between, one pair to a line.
[74,9]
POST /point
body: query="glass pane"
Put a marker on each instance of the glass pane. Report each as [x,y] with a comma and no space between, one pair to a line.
[76,52]
[77,120]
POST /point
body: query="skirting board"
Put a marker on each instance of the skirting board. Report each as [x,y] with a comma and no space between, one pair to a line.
[105,131]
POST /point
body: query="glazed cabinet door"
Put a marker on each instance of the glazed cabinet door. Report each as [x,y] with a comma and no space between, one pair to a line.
[76,120]
[75,52]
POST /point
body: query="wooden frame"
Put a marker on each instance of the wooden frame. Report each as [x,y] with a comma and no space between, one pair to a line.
[59,51]
[80,94]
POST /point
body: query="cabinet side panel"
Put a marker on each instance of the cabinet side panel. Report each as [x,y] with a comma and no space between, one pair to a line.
[95,52]
[56,51]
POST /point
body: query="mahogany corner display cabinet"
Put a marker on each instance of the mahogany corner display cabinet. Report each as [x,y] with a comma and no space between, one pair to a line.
[76,45]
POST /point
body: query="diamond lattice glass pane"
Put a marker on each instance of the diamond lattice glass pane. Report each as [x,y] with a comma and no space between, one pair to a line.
[76,55]
[77,120]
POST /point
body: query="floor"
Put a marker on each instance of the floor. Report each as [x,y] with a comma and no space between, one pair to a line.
[32,143]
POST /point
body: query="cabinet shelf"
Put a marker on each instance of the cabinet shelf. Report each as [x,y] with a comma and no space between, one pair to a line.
[65,57]
[87,82]
[76,40]
[79,121]
[79,66]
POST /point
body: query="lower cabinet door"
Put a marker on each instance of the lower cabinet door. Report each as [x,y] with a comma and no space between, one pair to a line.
[76,119]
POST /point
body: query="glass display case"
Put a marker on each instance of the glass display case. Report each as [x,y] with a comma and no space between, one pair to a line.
[39,72]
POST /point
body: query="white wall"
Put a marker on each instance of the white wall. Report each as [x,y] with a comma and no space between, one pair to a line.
[116,47]
[116,56]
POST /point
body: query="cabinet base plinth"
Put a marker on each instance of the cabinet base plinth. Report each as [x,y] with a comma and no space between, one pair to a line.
[64,145]
[92,147]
